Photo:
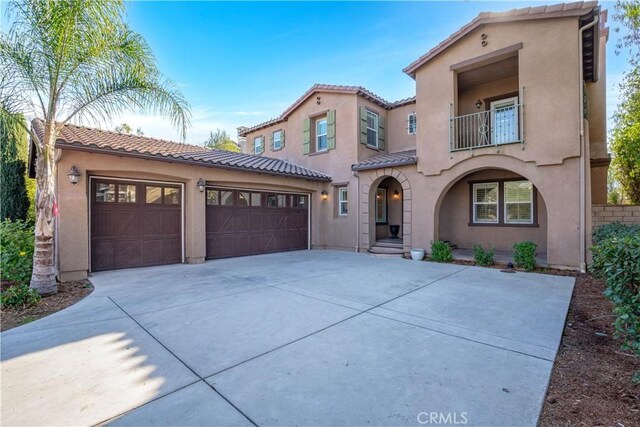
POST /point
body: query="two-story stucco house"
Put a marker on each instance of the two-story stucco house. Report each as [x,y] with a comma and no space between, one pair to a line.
[504,141]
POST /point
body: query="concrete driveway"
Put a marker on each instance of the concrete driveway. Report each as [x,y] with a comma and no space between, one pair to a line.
[301,338]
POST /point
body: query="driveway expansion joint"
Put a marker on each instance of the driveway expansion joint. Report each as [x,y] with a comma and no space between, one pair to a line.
[200,378]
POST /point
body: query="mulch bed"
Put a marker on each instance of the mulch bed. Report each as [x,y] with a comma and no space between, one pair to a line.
[591,379]
[68,294]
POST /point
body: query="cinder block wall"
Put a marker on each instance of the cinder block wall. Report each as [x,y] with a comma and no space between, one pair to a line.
[606,214]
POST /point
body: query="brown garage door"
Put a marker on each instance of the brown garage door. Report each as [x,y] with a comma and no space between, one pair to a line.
[241,222]
[134,224]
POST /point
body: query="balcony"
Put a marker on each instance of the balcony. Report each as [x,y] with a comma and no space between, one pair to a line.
[502,124]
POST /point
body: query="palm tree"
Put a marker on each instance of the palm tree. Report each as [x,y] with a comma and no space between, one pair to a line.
[75,60]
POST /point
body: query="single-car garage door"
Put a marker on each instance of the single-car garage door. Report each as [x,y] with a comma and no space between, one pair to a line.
[243,222]
[135,224]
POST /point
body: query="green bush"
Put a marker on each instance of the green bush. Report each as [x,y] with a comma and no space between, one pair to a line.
[617,260]
[441,252]
[524,255]
[19,296]
[615,229]
[483,257]
[16,251]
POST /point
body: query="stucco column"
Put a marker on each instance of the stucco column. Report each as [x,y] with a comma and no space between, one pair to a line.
[195,222]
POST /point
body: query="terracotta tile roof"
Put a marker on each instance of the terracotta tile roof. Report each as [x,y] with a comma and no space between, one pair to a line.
[403,102]
[561,10]
[90,139]
[352,90]
[384,160]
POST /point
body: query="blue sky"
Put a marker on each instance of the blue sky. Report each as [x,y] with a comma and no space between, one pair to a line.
[241,63]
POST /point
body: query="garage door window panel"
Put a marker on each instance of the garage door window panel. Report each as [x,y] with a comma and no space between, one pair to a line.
[153,195]
[171,196]
[213,197]
[105,193]
[256,199]
[226,198]
[126,193]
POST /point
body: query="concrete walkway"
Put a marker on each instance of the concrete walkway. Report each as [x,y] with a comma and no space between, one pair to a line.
[300,338]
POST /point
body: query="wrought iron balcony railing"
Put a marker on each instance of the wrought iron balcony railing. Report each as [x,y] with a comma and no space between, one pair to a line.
[487,128]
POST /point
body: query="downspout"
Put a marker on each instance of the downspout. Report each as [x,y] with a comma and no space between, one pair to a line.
[583,208]
[355,173]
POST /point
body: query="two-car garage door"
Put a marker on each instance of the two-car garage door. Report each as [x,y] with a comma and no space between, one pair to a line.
[136,224]
[243,222]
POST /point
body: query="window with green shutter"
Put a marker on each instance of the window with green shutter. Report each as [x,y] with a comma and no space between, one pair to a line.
[331,129]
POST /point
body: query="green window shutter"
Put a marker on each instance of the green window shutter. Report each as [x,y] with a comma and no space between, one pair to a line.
[363,125]
[282,138]
[331,129]
[271,142]
[381,132]
[306,135]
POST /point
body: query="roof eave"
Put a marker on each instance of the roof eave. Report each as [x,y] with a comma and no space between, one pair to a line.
[408,162]
[178,159]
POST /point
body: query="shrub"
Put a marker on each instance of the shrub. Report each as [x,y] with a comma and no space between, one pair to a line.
[617,260]
[524,255]
[19,296]
[615,229]
[16,251]
[441,252]
[482,257]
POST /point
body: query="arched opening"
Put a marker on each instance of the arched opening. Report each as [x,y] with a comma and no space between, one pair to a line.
[387,211]
[495,208]
[387,225]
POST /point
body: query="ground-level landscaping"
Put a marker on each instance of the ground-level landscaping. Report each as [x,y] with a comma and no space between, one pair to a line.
[591,380]
[68,294]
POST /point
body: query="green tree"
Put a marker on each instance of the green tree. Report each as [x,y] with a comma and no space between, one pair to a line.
[625,136]
[14,200]
[124,128]
[220,140]
[69,60]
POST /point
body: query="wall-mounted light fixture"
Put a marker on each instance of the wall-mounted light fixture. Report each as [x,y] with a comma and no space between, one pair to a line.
[73,175]
[478,104]
[324,196]
[200,185]
[396,194]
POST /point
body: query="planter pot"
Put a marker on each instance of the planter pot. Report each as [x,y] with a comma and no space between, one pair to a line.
[417,254]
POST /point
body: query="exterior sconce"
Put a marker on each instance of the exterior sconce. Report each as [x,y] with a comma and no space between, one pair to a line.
[324,196]
[396,195]
[200,185]
[478,104]
[378,197]
[73,175]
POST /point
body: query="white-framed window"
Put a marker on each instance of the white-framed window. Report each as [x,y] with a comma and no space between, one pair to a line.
[321,134]
[277,140]
[504,121]
[372,129]
[485,203]
[342,201]
[518,202]
[381,205]
[258,145]
[412,124]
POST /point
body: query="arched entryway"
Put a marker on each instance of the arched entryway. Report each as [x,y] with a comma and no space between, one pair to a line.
[495,208]
[388,206]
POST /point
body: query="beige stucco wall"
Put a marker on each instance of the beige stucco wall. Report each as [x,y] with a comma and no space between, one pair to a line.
[455,218]
[551,93]
[73,201]
[398,138]
[467,99]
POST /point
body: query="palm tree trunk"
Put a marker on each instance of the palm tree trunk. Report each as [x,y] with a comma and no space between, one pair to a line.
[43,278]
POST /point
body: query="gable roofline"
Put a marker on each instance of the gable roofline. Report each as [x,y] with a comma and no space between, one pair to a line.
[93,140]
[325,88]
[561,10]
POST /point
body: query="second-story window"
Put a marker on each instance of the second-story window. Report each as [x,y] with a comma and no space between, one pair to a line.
[276,140]
[258,145]
[321,134]
[372,129]
[412,124]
